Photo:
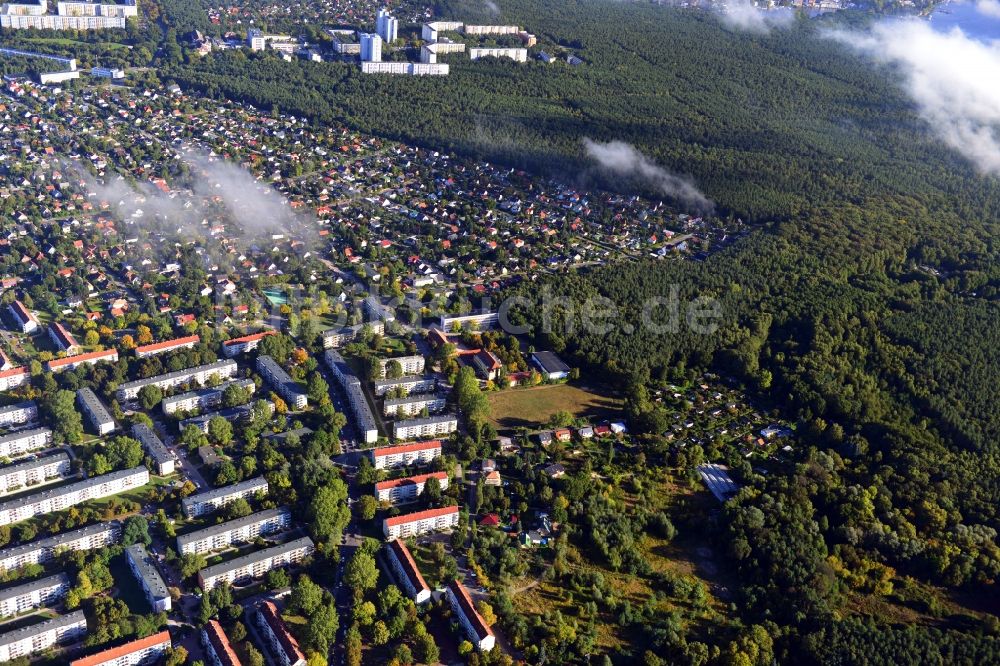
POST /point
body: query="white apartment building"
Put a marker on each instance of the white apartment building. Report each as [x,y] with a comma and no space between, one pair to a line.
[144,568]
[386,26]
[476,629]
[409,384]
[404,491]
[199,374]
[241,530]
[36,594]
[95,411]
[218,650]
[34,472]
[364,420]
[492,29]
[52,22]
[213,500]
[42,550]
[41,636]
[246,343]
[19,443]
[256,564]
[371,47]
[90,358]
[62,338]
[429,32]
[407,573]
[338,337]
[201,399]
[412,405]
[420,522]
[24,9]
[162,457]
[430,426]
[408,68]
[155,348]
[114,10]
[481,321]
[411,365]
[282,644]
[515,54]
[287,388]
[148,650]
[23,317]
[13,377]
[404,455]
[57,499]
[18,413]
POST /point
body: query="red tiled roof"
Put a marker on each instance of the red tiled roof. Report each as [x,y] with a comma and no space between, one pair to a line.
[220,643]
[248,338]
[168,344]
[420,515]
[405,558]
[22,312]
[65,337]
[89,356]
[469,610]
[410,447]
[122,650]
[13,372]
[419,478]
[288,643]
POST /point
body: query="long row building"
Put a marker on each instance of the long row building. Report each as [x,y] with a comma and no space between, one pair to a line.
[412,405]
[19,443]
[289,389]
[338,337]
[144,569]
[213,500]
[42,551]
[420,522]
[404,455]
[171,380]
[241,530]
[18,413]
[428,426]
[57,499]
[256,564]
[206,398]
[34,472]
[405,491]
[158,452]
[100,418]
[34,594]
[142,651]
[34,638]
[364,419]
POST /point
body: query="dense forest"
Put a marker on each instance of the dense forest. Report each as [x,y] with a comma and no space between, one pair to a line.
[863,305]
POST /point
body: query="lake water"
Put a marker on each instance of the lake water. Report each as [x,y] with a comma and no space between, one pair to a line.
[966,16]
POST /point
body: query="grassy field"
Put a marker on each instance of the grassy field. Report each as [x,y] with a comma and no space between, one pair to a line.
[533,406]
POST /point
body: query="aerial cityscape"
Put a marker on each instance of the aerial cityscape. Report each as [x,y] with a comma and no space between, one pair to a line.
[356,332]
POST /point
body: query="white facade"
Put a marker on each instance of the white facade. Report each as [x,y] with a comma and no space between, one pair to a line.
[71,8]
[431,426]
[41,636]
[407,573]
[364,420]
[95,411]
[13,378]
[19,443]
[421,522]
[404,491]
[73,362]
[199,374]
[26,321]
[34,472]
[57,499]
[212,500]
[144,568]
[22,412]
[387,27]
[237,346]
[475,628]
[51,22]
[42,550]
[256,564]
[409,68]
[371,47]
[405,455]
[411,384]
[413,404]
[287,388]
[203,398]
[155,449]
[411,365]
[516,54]
[241,530]
[36,594]
[149,650]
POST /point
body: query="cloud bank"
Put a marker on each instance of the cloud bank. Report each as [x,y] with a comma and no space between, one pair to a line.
[743,16]
[990,8]
[953,79]
[620,159]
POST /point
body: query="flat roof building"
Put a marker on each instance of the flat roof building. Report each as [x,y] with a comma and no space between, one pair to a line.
[144,568]
[213,500]
[206,398]
[287,388]
[199,374]
[18,443]
[234,414]
[35,594]
[412,405]
[57,499]
[95,411]
[551,366]
[162,457]
[364,420]
[42,550]
[38,637]
[409,384]
[429,426]
[256,564]
[420,522]
[338,337]
[34,472]
[19,413]
[241,530]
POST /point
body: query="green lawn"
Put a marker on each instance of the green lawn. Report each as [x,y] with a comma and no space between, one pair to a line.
[533,406]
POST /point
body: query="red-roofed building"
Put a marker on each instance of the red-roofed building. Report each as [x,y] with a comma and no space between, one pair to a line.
[186,342]
[217,647]
[13,378]
[70,362]
[236,346]
[420,522]
[62,338]
[487,364]
[407,573]
[143,651]
[283,645]
[476,629]
[26,321]
[403,491]
[406,454]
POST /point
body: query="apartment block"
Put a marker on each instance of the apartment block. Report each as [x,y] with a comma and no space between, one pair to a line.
[155,348]
[18,443]
[515,54]
[287,388]
[234,414]
[97,414]
[171,380]
[13,377]
[241,530]
[38,637]
[144,568]
[404,455]
[57,499]
[420,522]
[39,593]
[411,365]
[430,426]
[34,472]
[364,420]
[475,627]
[149,650]
[206,398]
[62,338]
[404,491]
[19,413]
[407,573]
[218,650]
[256,564]
[24,319]
[162,457]
[481,321]
[338,337]
[409,384]
[412,405]
[42,550]
[246,343]
[90,358]
[281,644]
[213,500]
